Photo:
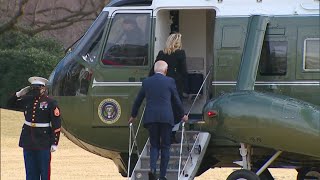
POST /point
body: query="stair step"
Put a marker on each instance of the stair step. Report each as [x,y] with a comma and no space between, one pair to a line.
[173,162]
[175,149]
[195,118]
[195,121]
[142,174]
[191,162]
[190,136]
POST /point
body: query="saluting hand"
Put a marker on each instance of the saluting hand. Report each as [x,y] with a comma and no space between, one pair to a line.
[185,118]
[23,91]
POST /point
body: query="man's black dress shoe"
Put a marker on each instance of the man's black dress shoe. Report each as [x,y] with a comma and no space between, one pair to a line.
[162,178]
[152,176]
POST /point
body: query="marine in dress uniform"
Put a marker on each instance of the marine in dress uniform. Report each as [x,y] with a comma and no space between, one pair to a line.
[41,129]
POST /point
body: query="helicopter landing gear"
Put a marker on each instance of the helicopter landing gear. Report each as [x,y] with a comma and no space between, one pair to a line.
[245,152]
[265,166]
[245,172]
[308,174]
[263,173]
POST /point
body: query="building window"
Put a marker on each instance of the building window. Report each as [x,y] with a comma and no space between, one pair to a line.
[128,40]
[311,55]
[273,59]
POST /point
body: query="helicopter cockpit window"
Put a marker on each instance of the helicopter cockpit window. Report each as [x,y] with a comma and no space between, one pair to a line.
[128,40]
[273,59]
[92,40]
[311,56]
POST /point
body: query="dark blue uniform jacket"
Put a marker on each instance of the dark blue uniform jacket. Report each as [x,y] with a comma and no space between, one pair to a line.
[158,91]
[38,110]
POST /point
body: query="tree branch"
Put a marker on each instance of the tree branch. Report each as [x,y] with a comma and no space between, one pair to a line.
[15,18]
[46,19]
[57,24]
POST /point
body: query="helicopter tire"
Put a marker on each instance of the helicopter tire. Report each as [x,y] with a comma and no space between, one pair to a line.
[243,174]
[308,174]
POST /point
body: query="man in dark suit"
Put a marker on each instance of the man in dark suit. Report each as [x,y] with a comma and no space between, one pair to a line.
[158,117]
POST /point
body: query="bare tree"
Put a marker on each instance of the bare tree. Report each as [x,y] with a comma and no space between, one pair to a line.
[35,16]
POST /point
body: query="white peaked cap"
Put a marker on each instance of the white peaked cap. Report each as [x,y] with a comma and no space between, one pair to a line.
[38,80]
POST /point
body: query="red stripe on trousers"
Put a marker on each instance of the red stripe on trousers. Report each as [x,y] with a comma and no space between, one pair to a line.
[49,170]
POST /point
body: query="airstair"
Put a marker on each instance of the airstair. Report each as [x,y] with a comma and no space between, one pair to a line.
[186,156]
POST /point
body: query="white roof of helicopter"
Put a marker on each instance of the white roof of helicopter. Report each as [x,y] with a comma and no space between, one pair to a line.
[237,7]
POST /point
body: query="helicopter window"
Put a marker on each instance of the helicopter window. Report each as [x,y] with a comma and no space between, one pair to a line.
[273,59]
[311,57]
[70,78]
[92,40]
[128,40]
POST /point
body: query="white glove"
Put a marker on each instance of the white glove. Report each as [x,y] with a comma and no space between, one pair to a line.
[23,91]
[53,148]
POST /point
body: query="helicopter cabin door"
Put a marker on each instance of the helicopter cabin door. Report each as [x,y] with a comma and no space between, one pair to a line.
[124,63]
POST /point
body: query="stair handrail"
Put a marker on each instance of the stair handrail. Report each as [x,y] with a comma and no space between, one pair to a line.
[181,149]
[183,123]
[192,150]
[134,144]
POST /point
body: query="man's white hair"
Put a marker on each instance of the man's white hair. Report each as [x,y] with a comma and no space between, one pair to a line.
[160,67]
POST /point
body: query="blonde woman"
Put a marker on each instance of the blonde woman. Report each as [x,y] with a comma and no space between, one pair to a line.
[175,57]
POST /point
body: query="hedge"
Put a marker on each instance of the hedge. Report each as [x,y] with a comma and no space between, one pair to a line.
[22,56]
